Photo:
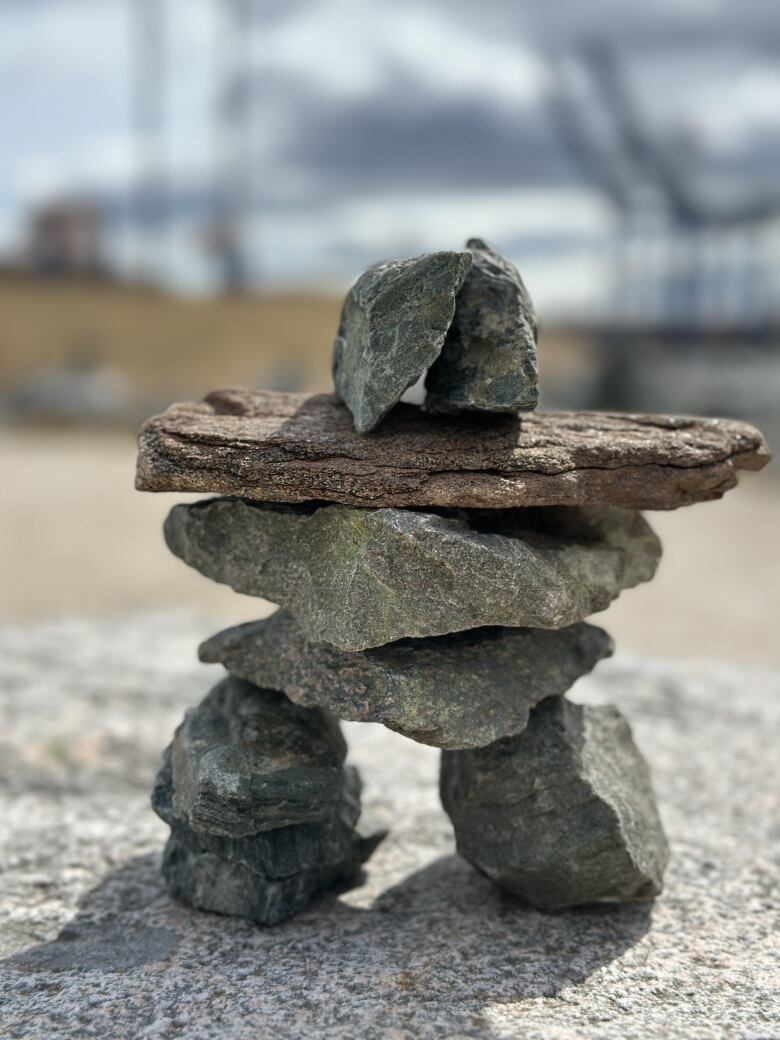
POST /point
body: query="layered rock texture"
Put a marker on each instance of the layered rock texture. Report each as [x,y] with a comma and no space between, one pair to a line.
[359,578]
[261,809]
[456,691]
[563,813]
[434,566]
[301,448]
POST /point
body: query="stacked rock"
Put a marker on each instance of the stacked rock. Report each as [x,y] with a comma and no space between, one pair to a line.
[433,567]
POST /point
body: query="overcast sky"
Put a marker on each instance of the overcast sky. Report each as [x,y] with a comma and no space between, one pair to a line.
[383,128]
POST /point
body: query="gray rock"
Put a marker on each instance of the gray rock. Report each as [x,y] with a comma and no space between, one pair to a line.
[247,760]
[267,876]
[393,326]
[561,815]
[488,362]
[359,578]
[456,691]
[425,947]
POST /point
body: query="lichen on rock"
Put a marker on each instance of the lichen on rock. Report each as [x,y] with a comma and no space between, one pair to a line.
[360,578]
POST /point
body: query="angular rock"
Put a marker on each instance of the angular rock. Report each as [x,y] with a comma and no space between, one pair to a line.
[298,448]
[268,876]
[488,362]
[561,815]
[393,325]
[246,760]
[359,578]
[457,691]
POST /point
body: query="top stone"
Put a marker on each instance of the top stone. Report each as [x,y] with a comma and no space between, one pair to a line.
[393,326]
[488,362]
[300,448]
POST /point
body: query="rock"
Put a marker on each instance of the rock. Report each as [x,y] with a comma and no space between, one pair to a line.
[425,947]
[246,760]
[488,362]
[359,578]
[562,814]
[393,325]
[299,448]
[455,691]
[267,876]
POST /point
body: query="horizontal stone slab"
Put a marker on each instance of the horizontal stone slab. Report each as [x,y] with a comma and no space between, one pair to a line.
[359,578]
[562,814]
[457,691]
[297,448]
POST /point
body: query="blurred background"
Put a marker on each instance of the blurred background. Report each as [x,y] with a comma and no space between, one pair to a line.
[188,188]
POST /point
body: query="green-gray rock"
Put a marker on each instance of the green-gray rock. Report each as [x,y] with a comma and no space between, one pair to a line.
[488,362]
[359,578]
[455,691]
[268,876]
[393,326]
[561,815]
[246,760]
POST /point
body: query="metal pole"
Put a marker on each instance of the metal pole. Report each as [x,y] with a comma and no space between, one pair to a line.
[148,70]
[232,117]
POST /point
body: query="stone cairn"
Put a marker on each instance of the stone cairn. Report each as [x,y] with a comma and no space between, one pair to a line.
[433,566]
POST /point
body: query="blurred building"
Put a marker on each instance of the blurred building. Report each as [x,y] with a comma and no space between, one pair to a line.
[65,238]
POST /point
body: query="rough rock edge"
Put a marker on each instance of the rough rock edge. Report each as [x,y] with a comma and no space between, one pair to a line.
[364,694]
[596,773]
[297,448]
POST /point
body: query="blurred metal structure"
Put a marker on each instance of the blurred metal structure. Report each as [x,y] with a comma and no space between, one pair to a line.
[693,323]
[232,189]
[149,53]
[685,264]
[230,194]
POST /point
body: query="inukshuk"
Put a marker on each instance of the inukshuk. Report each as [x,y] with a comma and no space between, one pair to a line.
[434,566]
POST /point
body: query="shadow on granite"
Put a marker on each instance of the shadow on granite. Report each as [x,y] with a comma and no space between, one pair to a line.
[442,943]
[424,949]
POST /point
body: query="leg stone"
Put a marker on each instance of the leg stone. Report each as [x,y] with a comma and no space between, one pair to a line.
[562,814]
[261,808]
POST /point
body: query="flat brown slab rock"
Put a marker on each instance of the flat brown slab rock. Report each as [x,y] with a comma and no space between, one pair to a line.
[297,447]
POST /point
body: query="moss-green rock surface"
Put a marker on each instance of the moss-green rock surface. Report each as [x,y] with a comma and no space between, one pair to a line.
[561,815]
[359,578]
[393,326]
[488,362]
[261,808]
[247,760]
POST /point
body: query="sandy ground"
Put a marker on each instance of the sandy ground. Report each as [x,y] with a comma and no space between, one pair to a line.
[77,540]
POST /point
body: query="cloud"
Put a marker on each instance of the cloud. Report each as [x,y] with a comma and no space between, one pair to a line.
[354,53]
[401,119]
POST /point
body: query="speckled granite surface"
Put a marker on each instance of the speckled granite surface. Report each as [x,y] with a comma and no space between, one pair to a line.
[91,945]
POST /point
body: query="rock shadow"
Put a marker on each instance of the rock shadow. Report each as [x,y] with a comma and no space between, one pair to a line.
[443,945]
[109,932]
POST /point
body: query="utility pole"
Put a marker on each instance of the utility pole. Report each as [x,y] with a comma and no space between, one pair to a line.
[232,144]
[149,206]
